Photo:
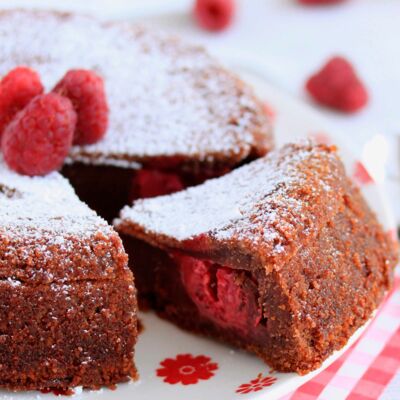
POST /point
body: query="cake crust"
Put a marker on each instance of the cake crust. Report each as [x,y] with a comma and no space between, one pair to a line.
[63,335]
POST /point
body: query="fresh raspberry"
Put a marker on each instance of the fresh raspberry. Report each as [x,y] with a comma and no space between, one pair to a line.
[214,15]
[86,91]
[151,183]
[17,89]
[337,86]
[320,2]
[39,137]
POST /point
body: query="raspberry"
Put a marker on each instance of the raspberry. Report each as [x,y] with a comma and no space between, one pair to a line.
[320,2]
[86,91]
[39,137]
[214,15]
[151,183]
[337,86]
[220,293]
[17,89]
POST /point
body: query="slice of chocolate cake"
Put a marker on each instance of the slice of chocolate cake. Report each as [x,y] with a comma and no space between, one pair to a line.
[67,296]
[177,117]
[281,257]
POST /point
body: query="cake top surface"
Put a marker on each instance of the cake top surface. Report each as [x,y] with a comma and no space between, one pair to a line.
[265,205]
[38,207]
[166,98]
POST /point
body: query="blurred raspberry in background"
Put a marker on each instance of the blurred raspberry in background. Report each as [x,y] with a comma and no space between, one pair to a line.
[214,15]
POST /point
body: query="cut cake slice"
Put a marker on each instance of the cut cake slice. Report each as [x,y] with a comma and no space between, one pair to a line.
[281,257]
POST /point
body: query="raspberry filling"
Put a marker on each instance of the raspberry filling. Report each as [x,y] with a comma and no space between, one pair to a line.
[224,295]
[151,183]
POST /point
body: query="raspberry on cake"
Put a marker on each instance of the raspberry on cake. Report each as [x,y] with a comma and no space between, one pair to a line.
[173,108]
[85,89]
[281,257]
[17,89]
[67,296]
[39,137]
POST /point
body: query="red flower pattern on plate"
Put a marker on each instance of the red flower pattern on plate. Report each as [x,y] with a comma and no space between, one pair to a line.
[186,369]
[361,175]
[257,384]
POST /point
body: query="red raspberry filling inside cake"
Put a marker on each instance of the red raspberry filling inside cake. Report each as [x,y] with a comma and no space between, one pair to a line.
[151,183]
[223,295]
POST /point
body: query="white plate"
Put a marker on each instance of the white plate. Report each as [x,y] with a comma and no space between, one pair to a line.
[228,368]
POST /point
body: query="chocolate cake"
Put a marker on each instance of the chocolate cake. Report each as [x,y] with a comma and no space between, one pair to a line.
[281,257]
[174,111]
[67,296]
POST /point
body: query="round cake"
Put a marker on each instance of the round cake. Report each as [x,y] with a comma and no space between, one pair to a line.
[177,117]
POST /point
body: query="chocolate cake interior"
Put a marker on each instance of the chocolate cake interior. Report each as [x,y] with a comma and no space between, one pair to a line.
[198,294]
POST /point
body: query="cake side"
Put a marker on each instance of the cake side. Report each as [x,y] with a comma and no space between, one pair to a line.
[169,102]
[62,335]
[332,285]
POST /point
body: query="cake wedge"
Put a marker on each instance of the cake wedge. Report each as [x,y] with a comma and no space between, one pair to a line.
[67,296]
[282,257]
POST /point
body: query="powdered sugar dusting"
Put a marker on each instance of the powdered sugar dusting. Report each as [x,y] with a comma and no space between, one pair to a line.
[44,208]
[261,202]
[165,98]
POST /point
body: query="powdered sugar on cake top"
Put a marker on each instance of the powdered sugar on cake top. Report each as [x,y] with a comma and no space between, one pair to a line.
[165,98]
[265,203]
[44,209]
